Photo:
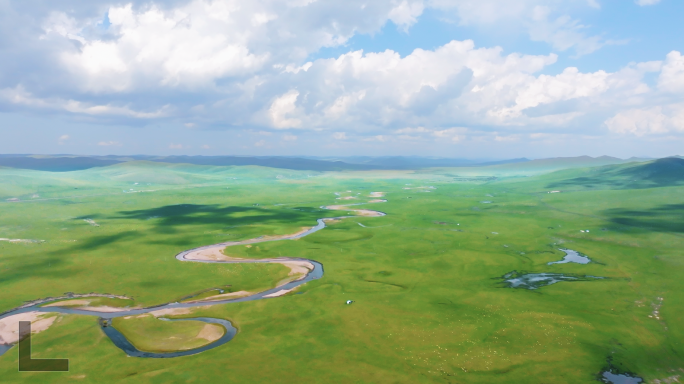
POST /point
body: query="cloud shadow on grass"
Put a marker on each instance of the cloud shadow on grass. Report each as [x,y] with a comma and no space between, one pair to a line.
[664,218]
[168,217]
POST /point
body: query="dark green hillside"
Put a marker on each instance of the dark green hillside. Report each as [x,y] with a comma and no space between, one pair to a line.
[558,163]
[664,172]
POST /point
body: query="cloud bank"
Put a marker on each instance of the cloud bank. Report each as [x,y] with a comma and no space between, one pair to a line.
[223,65]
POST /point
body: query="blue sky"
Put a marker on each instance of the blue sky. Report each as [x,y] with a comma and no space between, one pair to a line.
[453,78]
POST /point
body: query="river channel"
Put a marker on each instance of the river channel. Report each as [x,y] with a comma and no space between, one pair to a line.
[230,331]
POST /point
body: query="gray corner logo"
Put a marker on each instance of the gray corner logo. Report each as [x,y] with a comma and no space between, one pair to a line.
[28,364]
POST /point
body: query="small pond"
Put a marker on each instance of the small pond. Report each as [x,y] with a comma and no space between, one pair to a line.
[572,257]
[611,378]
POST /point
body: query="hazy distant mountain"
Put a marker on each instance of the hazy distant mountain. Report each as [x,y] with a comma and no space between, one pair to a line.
[416,162]
[54,164]
[294,163]
[63,163]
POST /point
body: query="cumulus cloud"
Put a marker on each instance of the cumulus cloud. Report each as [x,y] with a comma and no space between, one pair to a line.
[197,42]
[282,108]
[232,64]
[406,13]
[455,82]
[644,121]
[62,139]
[672,75]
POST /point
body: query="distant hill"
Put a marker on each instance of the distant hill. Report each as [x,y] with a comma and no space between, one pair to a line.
[558,163]
[415,162]
[668,171]
[521,166]
[293,163]
[54,164]
[63,163]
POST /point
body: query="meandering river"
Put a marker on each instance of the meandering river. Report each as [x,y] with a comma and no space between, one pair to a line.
[230,331]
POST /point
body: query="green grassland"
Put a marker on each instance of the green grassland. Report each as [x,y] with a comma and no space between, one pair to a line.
[150,334]
[430,305]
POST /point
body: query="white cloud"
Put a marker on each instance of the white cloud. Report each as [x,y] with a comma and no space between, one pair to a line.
[544,20]
[456,84]
[672,75]
[545,89]
[644,121]
[175,146]
[249,66]
[198,42]
[455,134]
[288,137]
[62,139]
[282,107]
[108,143]
[183,47]
[406,14]
[646,2]
[19,96]
[381,89]
[564,32]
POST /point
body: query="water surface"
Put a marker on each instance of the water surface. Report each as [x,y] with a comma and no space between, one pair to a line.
[572,257]
[538,280]
[609,377]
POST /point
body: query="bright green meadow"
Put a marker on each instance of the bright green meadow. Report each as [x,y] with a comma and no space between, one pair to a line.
[430,304]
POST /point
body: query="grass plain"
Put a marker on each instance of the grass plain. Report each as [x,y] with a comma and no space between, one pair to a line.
[150,334]
[430,305]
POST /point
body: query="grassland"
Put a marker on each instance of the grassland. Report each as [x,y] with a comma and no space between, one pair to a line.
[430,304]
[150,334]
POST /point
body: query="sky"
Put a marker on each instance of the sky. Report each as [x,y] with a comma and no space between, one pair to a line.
[449,78]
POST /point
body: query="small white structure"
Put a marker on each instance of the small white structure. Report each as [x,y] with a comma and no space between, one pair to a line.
[553,192]
[349,301]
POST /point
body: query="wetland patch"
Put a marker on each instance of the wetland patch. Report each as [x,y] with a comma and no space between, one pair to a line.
[537,280]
